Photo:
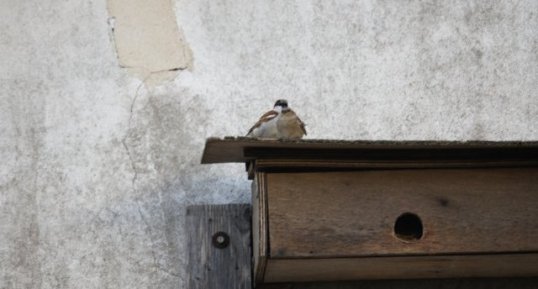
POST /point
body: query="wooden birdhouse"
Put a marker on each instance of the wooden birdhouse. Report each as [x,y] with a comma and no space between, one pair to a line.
[348,210]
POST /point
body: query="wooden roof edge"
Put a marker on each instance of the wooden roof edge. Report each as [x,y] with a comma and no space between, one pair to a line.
[441,143]
[231,149]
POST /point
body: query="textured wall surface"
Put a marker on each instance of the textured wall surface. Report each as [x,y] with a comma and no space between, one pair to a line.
[98,164]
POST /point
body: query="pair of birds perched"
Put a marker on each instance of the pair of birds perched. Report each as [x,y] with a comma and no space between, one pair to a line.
[279,123]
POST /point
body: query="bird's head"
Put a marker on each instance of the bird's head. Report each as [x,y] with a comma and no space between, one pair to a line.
[282,103]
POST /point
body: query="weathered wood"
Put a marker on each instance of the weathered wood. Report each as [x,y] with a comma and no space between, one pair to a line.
[324,165]
[211,267]
[344,210]
[246,149]
[313,165]
[259,226]
[452,283]
[348,214]
[403,267]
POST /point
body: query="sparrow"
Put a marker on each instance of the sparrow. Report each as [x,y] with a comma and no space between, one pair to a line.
[281,123]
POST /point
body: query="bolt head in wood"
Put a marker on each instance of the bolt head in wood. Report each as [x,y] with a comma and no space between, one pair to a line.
[220,240]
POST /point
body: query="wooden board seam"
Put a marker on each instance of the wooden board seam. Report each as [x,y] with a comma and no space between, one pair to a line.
[409,255]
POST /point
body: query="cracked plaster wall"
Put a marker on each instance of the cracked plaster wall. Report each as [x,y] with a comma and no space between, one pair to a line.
[98,166]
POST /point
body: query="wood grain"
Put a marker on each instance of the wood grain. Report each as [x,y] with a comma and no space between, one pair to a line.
[242,149]
[350,214]
[215,268]
[259,226]
[301,270]
[452,283]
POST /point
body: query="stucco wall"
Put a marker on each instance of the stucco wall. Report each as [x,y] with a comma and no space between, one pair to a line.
[98,161]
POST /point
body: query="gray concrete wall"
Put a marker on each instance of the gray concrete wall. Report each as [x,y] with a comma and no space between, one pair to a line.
[100,144]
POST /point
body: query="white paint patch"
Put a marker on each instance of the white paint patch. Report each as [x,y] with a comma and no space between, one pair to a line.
[147,37]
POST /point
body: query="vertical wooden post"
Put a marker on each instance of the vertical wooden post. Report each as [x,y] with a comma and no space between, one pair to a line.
[219,243]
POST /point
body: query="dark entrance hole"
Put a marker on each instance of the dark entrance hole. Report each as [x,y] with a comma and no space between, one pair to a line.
[408,227]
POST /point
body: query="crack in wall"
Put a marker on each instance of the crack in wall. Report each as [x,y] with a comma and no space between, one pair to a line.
[156,264]
[135,172]
[131,153]
[148,79]
[124,139]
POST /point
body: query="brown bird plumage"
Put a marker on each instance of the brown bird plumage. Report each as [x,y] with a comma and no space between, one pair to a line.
[281,123]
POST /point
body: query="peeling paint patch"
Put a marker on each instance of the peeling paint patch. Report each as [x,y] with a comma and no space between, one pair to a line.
[147,37]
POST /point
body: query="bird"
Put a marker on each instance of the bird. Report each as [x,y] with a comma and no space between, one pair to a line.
[279,123]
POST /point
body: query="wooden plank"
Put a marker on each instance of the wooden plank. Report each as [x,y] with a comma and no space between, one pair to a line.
[452,283]
[259,226]
[241,149]
[500,265]
[325,165]
[227,265]
[349,214]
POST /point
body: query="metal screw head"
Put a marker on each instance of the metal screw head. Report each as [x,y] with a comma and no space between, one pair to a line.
[220,240]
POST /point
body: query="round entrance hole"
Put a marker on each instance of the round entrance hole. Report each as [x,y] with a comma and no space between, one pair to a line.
[408,227]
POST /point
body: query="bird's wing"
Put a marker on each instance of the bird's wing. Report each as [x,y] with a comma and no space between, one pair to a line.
[264,118]
[301,123]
